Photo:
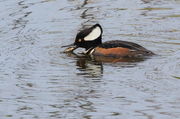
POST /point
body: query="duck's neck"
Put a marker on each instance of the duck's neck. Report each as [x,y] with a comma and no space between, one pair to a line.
[93,44]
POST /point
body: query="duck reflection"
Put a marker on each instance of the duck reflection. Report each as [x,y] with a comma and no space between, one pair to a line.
[87,67]
[92,67]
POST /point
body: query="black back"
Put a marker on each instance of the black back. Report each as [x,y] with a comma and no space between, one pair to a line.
[123,44]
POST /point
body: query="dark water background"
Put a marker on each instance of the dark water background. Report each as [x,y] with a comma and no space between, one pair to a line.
[38,81]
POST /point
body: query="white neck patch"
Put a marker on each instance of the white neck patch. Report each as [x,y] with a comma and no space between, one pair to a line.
[95,33]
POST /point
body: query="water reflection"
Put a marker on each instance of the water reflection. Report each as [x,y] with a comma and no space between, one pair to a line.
[87,67]
[20,22]
[87,14]
[84,3]
[92,67]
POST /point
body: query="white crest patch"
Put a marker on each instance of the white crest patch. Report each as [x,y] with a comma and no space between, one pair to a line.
[95,33]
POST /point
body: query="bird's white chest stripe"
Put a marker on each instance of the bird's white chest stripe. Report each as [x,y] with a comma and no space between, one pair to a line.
[89,51]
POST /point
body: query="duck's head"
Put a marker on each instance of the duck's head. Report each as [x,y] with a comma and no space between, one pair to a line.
[87,38]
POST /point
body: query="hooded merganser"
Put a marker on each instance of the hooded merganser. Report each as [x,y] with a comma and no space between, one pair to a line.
[90,39]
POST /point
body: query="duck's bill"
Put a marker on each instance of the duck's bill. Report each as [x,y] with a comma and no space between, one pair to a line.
[68,45]
[70,48]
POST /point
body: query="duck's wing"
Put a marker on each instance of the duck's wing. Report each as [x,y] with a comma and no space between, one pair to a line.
[123,44]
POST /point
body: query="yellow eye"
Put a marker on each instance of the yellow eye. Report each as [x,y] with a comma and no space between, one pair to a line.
[79,40]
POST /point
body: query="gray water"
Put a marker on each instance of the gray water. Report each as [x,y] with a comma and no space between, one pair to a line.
[38,81]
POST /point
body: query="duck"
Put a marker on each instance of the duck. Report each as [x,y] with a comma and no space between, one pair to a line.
[91,40]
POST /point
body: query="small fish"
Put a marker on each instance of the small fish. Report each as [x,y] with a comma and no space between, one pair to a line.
[70,48]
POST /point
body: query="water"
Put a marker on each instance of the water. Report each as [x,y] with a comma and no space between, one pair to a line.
[38,81]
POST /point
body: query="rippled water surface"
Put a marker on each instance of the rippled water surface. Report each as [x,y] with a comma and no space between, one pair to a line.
[38,81]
